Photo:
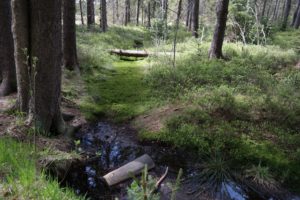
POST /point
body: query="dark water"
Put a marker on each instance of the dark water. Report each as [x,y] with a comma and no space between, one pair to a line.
[108,147]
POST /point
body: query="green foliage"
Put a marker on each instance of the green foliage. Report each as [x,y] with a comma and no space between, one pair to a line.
[20,178]
[246,107]
[115,88]
[142,190]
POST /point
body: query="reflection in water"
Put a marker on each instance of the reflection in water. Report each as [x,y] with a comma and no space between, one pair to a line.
[110,147]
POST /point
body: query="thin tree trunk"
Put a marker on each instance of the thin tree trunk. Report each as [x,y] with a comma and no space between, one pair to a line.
[219,33]
[81,12]
[295,14]
[153,9]
[21,35]
[69,35]
[176,31]
[196,18]
[7,63]
[275,10]
[90,13]
[263,10]
[138,12]
[149,15]
[127,12]
[297,20]
[286,13]
[103,20]
[188,13]
[117,10]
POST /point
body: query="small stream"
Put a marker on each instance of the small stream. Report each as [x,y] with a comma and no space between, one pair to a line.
[108,147]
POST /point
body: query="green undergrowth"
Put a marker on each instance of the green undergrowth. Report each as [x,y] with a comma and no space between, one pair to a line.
[287,39]
[20,177]
[245,108]
[114,88]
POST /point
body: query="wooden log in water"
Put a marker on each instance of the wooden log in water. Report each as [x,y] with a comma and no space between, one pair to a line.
[130,53]
[123,173]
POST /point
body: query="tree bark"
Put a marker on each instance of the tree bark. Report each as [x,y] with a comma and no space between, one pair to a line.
[263,10]
[69,35]
[219,33]
[117,10]
[90,13]
[138,12]
[103,20]
[196,18]
[297,20]
[286,13]
[21,35]
[149,15]
[127,12]
[81,12]
[7,63]
[295,14]
[30,19]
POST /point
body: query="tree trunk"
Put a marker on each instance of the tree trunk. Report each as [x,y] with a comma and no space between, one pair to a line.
[297,20]
[295,13]
[81,12]
[7,63]
[117,10]
[103,20]
[275,10]
[188,12]
[45,46]
[149,15]
[219,32]
[90,13]
[127,12]
[263,10]
[153,9]
[286,13]
[138,12]
[21,35]
[196,18]
[69,35]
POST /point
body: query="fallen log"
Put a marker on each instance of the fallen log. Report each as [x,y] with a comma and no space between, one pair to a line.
[125,172]
[130,53]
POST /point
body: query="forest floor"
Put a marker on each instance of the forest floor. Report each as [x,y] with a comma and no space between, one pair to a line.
[240,117]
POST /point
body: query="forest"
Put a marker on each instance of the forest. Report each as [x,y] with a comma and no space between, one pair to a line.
[149,100]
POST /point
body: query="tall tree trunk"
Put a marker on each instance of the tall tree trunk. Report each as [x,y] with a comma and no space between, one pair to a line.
[295,14]
[219,33]
[81,12]
[103,20]
[263,10]
[22,38]
[275,10]
[138,12]
[196,18]
[188,13]
[29,22]
[117,10]
[297,20]
[7,63]
[90,13]
[127,12]
[149,15]
[153,9]
[69,35]
[286,13]
[176,31]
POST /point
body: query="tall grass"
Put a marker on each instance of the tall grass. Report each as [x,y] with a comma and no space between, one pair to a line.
[20,177]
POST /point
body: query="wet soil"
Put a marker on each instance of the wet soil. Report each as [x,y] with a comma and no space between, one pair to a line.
[107,147]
